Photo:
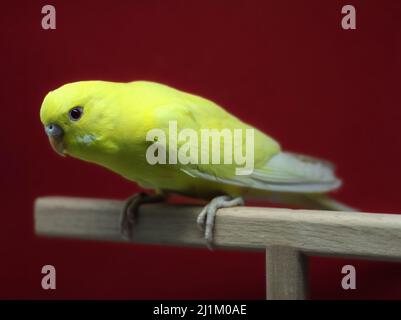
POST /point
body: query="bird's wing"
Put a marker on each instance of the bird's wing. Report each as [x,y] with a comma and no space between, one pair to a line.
[193,112]
[284,172]
[273,170]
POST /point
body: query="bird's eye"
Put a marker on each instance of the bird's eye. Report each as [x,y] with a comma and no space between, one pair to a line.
[75,113]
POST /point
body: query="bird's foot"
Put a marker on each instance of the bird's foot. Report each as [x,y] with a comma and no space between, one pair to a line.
[131,208]
[207,216]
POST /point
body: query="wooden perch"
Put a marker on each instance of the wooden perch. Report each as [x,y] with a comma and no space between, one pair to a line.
[286,233]
[315,232]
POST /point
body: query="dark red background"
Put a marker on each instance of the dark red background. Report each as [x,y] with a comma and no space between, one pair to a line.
[284,66]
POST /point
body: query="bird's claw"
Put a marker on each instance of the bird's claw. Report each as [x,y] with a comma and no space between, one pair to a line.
[130,211]
[206,217]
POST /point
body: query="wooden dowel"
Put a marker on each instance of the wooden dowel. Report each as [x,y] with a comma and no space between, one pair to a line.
[287,274]
[353,234]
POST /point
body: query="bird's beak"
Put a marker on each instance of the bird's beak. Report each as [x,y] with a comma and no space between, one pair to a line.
[55,134]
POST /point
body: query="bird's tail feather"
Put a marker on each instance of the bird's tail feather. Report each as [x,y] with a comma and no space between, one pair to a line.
[327,203]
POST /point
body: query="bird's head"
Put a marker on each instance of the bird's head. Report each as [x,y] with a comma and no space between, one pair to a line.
[78,118]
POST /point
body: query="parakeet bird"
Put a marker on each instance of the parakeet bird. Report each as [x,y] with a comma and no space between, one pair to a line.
[108,123]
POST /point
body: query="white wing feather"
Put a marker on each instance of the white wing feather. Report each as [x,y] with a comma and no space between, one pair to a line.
[284,172]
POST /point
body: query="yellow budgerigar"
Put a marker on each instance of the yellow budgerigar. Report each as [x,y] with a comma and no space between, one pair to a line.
[154,135]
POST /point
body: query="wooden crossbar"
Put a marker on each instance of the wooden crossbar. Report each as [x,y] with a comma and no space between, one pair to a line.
[287,235]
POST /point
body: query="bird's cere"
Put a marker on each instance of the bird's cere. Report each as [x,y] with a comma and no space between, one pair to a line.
[185,148]
[53,130]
